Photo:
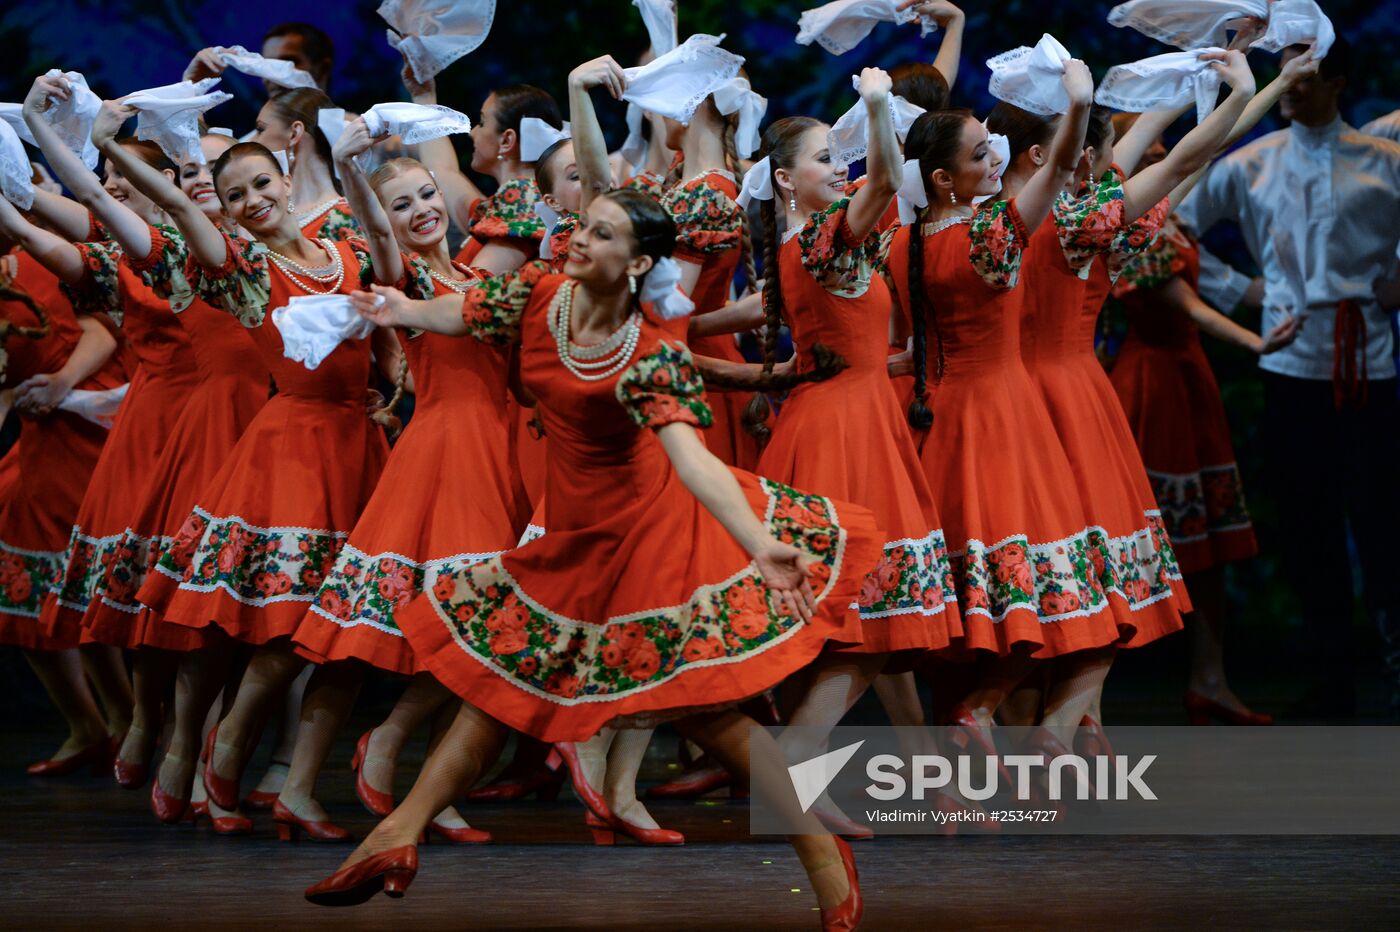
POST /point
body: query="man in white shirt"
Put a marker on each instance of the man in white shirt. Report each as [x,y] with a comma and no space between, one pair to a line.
[1318,205]
[1387,126]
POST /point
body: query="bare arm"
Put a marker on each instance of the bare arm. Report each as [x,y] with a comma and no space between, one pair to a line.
[1150,185]
[67,217]
[735,317]
[1180,295]
[1038,194]
[40,394]
[884,165]
[1128,151]
[438,156]
[374,223]
[951,20]
[784,568]
[123,223]
[51,251]
[590,149]
[442,314]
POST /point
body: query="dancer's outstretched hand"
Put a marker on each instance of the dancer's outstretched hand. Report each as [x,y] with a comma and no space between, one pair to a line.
[385,307]
[784,571]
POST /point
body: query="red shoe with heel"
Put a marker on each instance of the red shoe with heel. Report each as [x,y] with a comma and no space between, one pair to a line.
[390,871]
[378,803]
[466,835]
[605,833]
[545,783]
[291,826]
[223,791]
[591,798]
[698,783]
[966,730]
[1201,710]
[167,809]
[845,917]
[98,756]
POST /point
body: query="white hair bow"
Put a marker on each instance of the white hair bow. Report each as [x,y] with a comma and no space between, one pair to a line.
[661,288]
[737,96]
[536,136]
[758,183]
[912,195]
[1030,77]
[550,218]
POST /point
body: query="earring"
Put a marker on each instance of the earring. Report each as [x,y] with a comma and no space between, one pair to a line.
[500,158]
[1091,179]
[953,196]
[632,283]
[792,203]
[291,160]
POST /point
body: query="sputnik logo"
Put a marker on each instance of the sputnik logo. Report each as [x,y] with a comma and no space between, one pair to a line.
[811,777]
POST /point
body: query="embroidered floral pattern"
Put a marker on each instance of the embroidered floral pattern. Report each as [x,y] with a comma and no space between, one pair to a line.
[573,661]
[243,284]
[492,308]
[368,590]
[84,563]
[163,270]
[912,576]
[1154,266]
[664,387]
[340,224]
[509,213]
[1089,225]
[560,238]
[99,291]
[132,560]
[647,182]
[830,252]
[997,241]
[254,565]
[1067,578]
[25,576]
[1196,505]
[708,221]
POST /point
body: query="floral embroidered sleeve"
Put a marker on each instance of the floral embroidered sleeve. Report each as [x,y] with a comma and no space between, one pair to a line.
[1088,225]
[647,182]
[1150,268]
[559,238]
[509,213]
[242,285]
[708,220]
[663,388]
[98,292]
[163,268]
[997,240]
[340,224]
[493,307]
[834,257]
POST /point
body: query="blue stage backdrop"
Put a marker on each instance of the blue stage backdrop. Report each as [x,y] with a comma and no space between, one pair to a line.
[126,46]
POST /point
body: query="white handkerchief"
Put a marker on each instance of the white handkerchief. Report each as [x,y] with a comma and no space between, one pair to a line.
[16,176]
[737,96]
[1296,22]
[169,116]
[100,407]
[13,114]
[659,16]
[272,69]
[433,34]
[72,119]
[415,123]
[1030,77]
[312,326]
[536,136]
[849,138]
[1162,82]
[634,147]
[1186,24]
[841,25]
[674,84]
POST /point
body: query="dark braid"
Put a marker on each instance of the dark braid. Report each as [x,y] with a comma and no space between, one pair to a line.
[736,165]
[920,416]
[756,414]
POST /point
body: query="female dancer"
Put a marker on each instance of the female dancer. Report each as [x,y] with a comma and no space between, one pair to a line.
[394,554]
[1057,347]
[289,123]
[233,387]
[166,378]
[1021,550]
[46,352]
[252,555]
[507,632]
[504,229]
[822,279]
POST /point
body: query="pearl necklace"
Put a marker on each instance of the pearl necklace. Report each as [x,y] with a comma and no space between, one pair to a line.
[944,224]
[307,216]
[585,361]
[329,280]
[450,283]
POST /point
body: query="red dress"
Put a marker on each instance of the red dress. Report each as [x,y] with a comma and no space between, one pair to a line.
[418,526]
[637,602]
[1028,568]
[710,227]
[332,220]
[846,437]
[162,385]
[252,554]
[1057,345]
[1173,404]
[44,475]
[233,387]
[507,217]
